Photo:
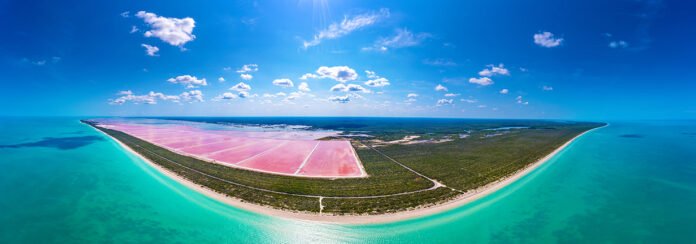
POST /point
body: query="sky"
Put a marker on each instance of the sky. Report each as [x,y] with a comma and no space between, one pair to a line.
[596,60]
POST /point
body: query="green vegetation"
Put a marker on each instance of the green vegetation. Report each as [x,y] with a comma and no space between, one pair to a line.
[461,164]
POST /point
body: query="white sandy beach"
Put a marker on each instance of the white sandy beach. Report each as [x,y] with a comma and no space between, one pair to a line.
[357,219]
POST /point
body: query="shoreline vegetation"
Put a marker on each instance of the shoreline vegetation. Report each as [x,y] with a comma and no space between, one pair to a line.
[399,187]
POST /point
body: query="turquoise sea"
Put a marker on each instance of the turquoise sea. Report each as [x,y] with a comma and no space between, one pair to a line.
[634,181]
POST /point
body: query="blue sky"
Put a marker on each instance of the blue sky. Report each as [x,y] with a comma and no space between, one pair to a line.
[478,59]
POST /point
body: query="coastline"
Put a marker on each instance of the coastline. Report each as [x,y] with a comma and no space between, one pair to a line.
[459,201]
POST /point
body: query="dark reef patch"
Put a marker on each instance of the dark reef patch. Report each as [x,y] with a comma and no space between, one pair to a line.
[631,136]
[62,143]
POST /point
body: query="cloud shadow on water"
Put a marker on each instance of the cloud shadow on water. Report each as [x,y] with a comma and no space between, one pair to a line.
[62,143]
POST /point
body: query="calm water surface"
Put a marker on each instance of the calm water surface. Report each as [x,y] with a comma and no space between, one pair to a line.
[62,182]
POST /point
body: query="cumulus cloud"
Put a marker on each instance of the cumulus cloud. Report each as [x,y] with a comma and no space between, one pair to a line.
[303,87]
[153,97]
[494,70]
[247,68]
[349,88]
[241,87]
[150,50]
[134,29]
[443,102]
[246,76]
[618,44]
[188,80]
[468,100]
[547,88]
[283,82]
[227,96]
[411,95]
[338,73]
[348,25]
[221,79]
[340,99]
[174,31]
[452,95]
[244,94]
[520,101]
[379,82]
[440,88]
[309,76]
[375,80]
[125,14]
[193,96]
[402,38]
[504,91]
[547,39]
[483,81]
[371,74]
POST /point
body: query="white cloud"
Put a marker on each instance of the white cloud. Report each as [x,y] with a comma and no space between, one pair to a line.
[309,76]
[547,39]
[125,14]
[188,80]
[248,68]
[344,99]
[227,96]
[618,44]
[246,76]
[283,82]
[281,94]
[227,68]
[340,99]
[440,88]
[174,31]
[194,96]
[468,100]
[349,88]
[338,73]
[442,102]
[504,91]
[244,94]
[303,87]
[452,95]
[134,29]
[494,70]
[402,38]
[547,88]
[348,25]
[240,87]
[371,74]
[412,95]
[483,81]
[221,79]
[150,50]
[153,97]
[379,82]
[520,101]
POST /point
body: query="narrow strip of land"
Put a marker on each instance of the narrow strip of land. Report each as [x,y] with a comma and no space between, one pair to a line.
[464,197]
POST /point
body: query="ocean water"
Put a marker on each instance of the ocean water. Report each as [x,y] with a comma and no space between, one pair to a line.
[62,182]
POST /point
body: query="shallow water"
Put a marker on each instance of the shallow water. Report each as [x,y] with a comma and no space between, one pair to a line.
[605,187]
